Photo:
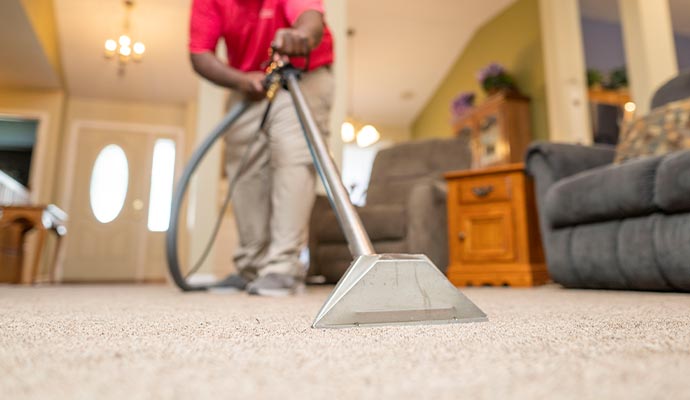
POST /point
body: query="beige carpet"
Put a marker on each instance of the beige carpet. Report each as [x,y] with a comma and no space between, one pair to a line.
[149,342]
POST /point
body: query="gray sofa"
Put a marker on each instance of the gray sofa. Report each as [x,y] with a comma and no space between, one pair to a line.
[405,210]
[609,226]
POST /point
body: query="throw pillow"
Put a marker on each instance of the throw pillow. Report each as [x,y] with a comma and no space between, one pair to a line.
[665,129]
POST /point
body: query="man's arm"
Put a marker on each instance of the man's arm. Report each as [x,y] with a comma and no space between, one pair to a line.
[305,34]
[210,67]
[205,30]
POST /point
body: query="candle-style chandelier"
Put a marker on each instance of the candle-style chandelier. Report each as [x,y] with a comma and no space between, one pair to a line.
[124,48]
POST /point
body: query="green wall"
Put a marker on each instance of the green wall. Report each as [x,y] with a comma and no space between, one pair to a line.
[513,38]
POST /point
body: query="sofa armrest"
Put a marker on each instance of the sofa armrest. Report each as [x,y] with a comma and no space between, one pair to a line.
[550,162]
[427,228]
[563,160]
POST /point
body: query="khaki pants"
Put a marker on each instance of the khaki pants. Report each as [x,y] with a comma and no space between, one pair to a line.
[274,196]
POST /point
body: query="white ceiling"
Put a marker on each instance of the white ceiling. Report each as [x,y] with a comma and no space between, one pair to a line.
[398,56]
[164,75]
[607,10]
[399,53]
[24,64]
[402,50]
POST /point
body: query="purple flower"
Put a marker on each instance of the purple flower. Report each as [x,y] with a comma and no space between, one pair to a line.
[492,70]
[462,102]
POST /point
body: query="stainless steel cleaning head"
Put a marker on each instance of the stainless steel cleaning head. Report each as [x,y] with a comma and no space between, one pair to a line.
[395,289]
[377,289]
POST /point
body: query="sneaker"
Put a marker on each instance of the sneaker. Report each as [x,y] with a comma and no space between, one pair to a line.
[276,285]
[232,283]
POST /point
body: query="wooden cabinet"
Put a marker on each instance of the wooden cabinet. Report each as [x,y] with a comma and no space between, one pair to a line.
[15,223]
[499,129]
[493,228]
[10,253]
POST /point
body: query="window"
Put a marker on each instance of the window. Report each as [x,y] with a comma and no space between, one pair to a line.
[17,141]
[357,163]
[109,182]
[162,175]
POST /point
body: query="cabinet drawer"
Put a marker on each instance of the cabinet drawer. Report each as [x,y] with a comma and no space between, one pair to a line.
[483,189]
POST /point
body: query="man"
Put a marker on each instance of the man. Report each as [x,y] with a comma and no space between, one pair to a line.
[275,194]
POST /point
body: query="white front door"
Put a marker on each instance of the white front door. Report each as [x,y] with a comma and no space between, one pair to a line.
[116,232]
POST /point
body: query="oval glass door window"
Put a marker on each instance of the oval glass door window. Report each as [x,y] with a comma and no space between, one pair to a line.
[109,182]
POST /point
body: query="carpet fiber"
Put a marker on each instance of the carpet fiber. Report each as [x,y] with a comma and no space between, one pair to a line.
[144,342]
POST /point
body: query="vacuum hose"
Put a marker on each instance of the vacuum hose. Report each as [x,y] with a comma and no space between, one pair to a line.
[272,82]
[181,189]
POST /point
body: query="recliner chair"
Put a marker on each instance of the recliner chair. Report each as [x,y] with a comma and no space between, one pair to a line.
[609,226]
[405,210]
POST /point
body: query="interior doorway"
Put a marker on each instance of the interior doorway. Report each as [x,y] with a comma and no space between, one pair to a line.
[17,141]
[119,191]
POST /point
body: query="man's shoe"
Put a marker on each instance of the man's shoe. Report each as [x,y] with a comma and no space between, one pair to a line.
[276,285]
[232,282]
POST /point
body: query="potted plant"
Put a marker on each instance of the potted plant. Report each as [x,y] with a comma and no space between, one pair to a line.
[618,79]
[494,79]
[595,78]
[462,103]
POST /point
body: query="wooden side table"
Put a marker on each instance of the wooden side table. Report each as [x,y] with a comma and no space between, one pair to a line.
[493,229]
[15,223]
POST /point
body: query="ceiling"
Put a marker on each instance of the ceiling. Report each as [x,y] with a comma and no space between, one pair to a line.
[26,65]
[401,51]
[164,75]
[398,55]
[607,10]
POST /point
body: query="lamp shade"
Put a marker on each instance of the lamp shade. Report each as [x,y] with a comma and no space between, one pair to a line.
[347,132]
[367,136]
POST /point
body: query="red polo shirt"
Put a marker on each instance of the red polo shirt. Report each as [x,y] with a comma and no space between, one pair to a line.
[248,27]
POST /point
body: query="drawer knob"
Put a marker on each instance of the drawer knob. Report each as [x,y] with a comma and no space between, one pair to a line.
[482,191]
[488,122]
[461,236]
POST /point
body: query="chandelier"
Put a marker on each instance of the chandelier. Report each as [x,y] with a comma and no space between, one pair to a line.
[124,49]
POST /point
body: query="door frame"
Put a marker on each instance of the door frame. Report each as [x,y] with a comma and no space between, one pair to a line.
[38,156]
[77,129]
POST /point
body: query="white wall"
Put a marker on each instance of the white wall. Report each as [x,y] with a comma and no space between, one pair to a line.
[564,62]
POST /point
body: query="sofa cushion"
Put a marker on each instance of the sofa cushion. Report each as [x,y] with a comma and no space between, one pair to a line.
[672,193]
[604,194]
[665,129]
[646,253]
[382,222]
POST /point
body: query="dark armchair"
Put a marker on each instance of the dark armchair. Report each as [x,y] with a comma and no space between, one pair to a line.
[405,210]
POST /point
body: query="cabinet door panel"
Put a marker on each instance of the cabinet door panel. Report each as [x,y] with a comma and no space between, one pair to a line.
[486,233]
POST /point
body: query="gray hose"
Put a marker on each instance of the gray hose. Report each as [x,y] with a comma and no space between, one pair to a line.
[178,196]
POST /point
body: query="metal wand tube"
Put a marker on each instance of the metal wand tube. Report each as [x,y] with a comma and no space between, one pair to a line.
[349,220]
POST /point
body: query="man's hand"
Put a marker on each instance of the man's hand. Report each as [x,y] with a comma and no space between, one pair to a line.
[290,42]
[252,85]
[305,34]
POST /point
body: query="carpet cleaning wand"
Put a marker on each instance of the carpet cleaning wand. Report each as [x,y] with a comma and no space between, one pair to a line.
[377,289]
